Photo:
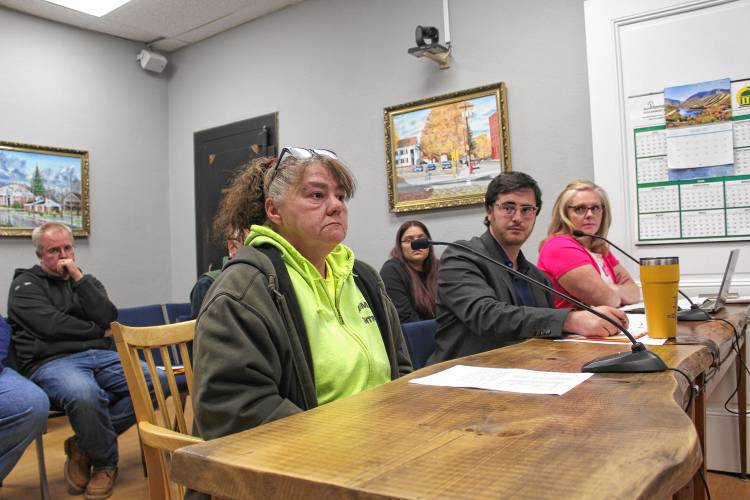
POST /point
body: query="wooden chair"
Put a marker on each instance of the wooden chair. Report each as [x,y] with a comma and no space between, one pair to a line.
[161,431]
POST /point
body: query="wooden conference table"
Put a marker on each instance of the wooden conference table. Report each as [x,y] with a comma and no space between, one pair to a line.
[614,436]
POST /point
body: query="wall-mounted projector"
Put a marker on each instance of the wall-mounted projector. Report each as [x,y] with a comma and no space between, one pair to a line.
[152,61]
[428,45]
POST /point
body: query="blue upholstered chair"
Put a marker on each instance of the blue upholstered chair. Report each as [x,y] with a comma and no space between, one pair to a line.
[420,339]
[177,313]
[150,315]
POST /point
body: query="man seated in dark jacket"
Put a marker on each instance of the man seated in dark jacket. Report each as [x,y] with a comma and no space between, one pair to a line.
[60,319]
[480,305]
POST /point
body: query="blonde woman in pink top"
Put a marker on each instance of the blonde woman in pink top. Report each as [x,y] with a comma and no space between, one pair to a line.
[584,267]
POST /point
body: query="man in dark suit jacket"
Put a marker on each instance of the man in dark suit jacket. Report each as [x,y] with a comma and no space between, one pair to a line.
[480,305]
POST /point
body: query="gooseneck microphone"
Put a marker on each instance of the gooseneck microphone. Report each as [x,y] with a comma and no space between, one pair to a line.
[695,313]
[639,360]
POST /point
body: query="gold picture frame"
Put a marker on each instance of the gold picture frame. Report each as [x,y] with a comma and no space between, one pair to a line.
[40,184]
[443,151]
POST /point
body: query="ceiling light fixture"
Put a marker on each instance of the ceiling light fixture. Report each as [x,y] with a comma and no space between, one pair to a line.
[96,8]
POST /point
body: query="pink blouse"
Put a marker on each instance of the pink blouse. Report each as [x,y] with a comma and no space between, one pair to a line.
[561,253]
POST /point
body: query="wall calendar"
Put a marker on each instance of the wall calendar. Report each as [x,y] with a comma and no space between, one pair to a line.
[691,146]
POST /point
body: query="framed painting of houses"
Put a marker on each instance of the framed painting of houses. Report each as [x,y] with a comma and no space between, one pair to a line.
[443,151]
[41,184]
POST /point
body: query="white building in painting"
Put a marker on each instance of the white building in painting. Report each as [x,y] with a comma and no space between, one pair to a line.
[15,193]
[43,205]
[407,152]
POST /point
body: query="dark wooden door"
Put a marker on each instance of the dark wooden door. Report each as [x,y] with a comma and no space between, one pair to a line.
[219,153]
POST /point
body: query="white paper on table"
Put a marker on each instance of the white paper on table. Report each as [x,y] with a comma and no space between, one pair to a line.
[504,379]
[615,339]
[636,326]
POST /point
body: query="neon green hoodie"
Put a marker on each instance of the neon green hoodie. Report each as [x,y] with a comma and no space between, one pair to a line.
[348,354]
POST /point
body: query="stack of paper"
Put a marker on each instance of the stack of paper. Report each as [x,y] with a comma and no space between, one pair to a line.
[505,379]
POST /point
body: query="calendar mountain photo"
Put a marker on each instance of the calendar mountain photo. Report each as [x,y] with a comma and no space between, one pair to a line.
[702,107]
[706,99]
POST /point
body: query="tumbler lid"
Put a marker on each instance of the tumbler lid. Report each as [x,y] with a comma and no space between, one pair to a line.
[659,261]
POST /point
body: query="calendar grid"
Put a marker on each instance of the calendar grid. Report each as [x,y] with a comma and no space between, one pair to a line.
[679,204]
[726,221]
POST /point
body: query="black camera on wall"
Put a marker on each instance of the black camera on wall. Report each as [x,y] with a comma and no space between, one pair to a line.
[428,45]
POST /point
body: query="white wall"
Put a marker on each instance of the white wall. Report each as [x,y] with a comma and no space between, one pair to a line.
[329,67]
[64,87]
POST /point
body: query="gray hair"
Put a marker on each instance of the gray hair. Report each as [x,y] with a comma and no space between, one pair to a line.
[278,182]
[47,227]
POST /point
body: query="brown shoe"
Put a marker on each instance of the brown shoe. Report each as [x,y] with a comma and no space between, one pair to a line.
[101,485]
[77,467]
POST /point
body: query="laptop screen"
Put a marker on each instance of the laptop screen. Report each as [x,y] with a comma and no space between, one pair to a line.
[726,282]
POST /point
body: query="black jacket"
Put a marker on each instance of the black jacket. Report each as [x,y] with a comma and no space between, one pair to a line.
[52,317]
[400,289]
[477,305]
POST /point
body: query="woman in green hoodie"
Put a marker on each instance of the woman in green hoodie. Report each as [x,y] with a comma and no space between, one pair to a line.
[294,320]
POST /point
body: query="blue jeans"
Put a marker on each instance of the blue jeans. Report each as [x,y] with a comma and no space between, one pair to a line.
[90,386]
[23,413]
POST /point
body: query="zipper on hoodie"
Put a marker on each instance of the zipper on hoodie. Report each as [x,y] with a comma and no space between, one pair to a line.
[332,301]
[336,303]
[281,307]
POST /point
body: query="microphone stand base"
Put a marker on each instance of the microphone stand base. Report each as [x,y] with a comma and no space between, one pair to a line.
[626,362]
[693,314]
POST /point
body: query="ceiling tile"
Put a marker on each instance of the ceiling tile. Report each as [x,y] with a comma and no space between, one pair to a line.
[169,45]
[121,30]
[177,22]
[226,23]
[172,17]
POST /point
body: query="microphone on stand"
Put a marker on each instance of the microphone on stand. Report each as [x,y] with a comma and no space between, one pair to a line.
[638,360]
[695,313]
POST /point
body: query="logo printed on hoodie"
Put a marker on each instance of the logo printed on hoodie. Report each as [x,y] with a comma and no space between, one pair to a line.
[369,318]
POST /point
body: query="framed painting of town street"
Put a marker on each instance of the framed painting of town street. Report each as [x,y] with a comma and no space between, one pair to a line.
[443,151]
[41,184]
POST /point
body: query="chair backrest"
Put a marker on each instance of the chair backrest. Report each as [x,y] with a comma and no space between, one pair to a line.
[149,315]
[134,344]
[420,339]
[178,312]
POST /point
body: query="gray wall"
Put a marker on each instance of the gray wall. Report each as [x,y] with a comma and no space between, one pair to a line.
[64,87]
[329,67]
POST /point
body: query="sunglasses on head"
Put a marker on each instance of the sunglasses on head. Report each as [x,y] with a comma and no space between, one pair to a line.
[300,154]
[305,153]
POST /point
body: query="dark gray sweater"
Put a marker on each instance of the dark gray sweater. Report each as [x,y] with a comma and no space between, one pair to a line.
[53,317]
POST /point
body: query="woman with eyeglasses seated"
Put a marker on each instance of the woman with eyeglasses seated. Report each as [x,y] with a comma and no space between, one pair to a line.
[293,321]
[410,276]
[583,266]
